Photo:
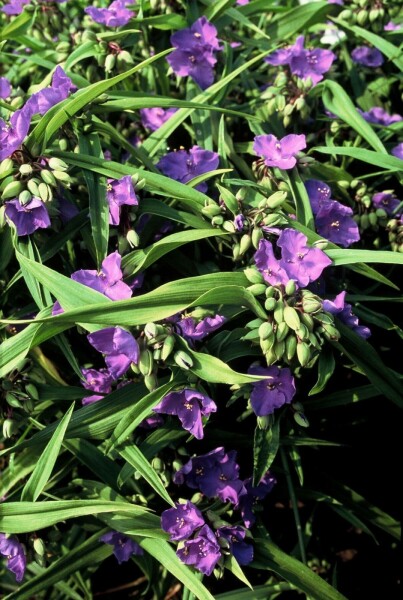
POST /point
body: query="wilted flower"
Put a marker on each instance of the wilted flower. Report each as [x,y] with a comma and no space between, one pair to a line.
[118,345]
[277,390]
[203,552]
[11,548]
[214,474]
[96,381]
[343,311]
[235,537]
[123,546]
[189,406]
[108,280]
[153,118]
[387,201]
[398,151]
[116,15]
[184,166]
[5,88]
[195,52]
[180,522]
[366,56]
[279,153]
[28,217]
[120,192]
[379,116]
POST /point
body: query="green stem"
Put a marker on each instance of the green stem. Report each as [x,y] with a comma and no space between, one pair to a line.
[294,505]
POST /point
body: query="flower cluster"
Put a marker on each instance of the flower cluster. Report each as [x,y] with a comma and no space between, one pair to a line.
[116,15]
[194,53]
[305,64]
[333,220]
[298,262]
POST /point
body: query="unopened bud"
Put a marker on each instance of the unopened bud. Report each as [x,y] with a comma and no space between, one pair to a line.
[133,238]
[12,190]
[48,177]
[253,275]
[110,62]
[257,289]
[25,169]
[183,360]
[151,382]
[257,235]
[24,197]
[10,427]
[303,353]
[167,347]
[39,547]
[290,288]
[57,164]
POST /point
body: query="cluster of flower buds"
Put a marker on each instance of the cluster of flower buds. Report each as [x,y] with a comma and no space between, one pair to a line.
[287,97]
[373,14]
[18,394]
[296,326]
[109,54]
[156,347]
[395,234]
[38,178]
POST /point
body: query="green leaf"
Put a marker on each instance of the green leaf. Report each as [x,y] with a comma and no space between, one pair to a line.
[232,565]
[301,199]
[326,366]
[369,156]
[297,19]
[351,256]
[270,557]
[338,102]
[136,459]
[18,26]
[24,517]
[265,447]
[165,555]
[259,592]
[98,204]
[44,467]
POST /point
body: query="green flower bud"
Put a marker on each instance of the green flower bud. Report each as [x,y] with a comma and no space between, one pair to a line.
[302,332]
[270,356]
[183,360]
[321,244]
[303,353]
[282,331]
[277,199]
[57,164]
[256,323]
[290,346]
[278,313]
[331,333]
[12,190]
[245,244]
[101,59]
[2,216]
[373,219]
[289,109]
[146,362]
[362,17]
[236,252]
[158,465]
[217,221]
[311,305]
[48,177]
[265,330]
[133,238]
[13,401]
[10,427]
[24,197]
[211,210]
[253,275]
[273,219]
[151,382]
[287,120]
[25,169]
[270,304]
[45,192]
[257,235]
[268,343]
[270,291]
[279,350]
[167,347]
[290,288]
[300,103]
[264,422]
[63,143]
[257,289]
[381,213]
[301,419]
[125,58]
[6,167]
[62,176]
[324,317]
[110,62]
[307,321]
[39,547]
[229,226]
[280,102]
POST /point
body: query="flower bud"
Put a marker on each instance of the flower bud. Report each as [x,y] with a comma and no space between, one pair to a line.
[125,58]
[290,288]
[265,330]
[270,304]
[308,321]
[146,362]
[245,244]
[110,62]
[253,275]
[257,235]
[158,465]
[10,427]
[48,177]
[217,221]
[282,331]
[236,252]
[45,192]
[303,353]
[279,349]
[302,332]
[151,382]
[13,401]
[12,189]
[25,169]
[277,199]
[264,422]
[62,176]
[290,346]
[183,360]
[6,166]
[311,305]
[32,185]
[321,244]
[257,289]
[57,164]
[373,219]
[274,219]
[270,356]
[39,547]
[167,347]
[211,210]
[24,197]
[133,238]
[278,313]
[301,419]
[229,226]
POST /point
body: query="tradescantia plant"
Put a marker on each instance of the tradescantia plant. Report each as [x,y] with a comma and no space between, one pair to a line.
[200,205]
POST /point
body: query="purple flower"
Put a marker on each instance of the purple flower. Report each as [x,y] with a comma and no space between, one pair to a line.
[268,265]
[67,210]
[279,153]
[152,422]
[184,166]
[302,62]
[119,347]
[11,548]
[387,201]
[235,536]
[203,552]
[240,222]
[301,263]
[180,522]
[343,311]
[5,88]
[311,64]
[189,406]
[96,381]
[116,15]
[318,192]
[214,474]
[194,54]
[335,223]
[277,390]
[14,7]
[379,116]
[123,546]
[391,26]
[120,192]
[398,151]
[12,134]
[28,217]
[252,495]
[153,118]
[366,56]
[190,330]
[108,280]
